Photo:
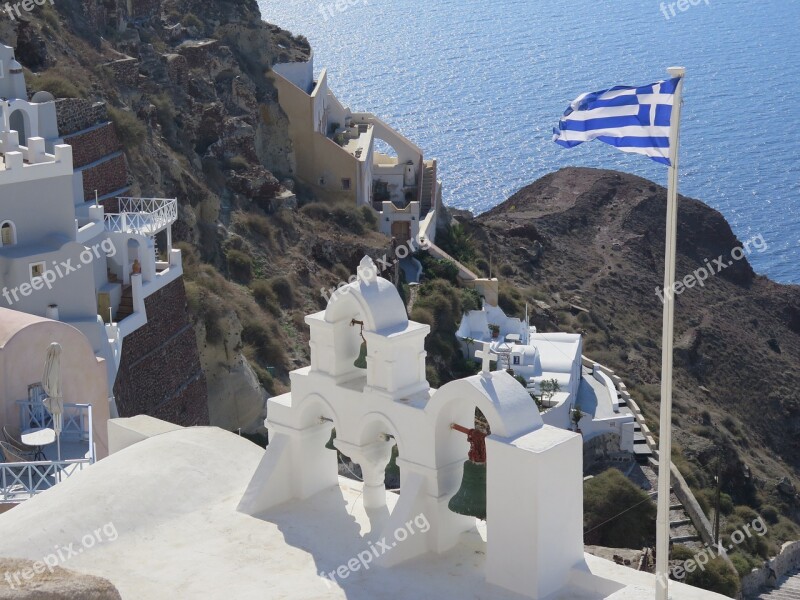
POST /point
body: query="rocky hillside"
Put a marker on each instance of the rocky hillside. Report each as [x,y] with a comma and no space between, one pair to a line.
[586,248]
[187,88]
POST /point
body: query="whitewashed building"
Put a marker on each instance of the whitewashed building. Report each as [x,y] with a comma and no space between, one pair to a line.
[64,258]
[541,358]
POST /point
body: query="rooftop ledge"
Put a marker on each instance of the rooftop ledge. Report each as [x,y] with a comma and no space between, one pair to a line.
[18,161]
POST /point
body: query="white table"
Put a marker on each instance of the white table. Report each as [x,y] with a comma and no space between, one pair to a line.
[38,438]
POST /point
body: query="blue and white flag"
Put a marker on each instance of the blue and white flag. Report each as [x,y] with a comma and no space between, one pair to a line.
[634,119]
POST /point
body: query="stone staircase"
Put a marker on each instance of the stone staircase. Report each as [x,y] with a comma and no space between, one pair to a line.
[787,588]
[428,179]
[125,304]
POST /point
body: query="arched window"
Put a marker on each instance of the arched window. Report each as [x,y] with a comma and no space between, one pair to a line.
[18,122]
[8,234]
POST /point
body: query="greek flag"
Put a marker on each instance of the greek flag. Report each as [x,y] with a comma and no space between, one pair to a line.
[634,119]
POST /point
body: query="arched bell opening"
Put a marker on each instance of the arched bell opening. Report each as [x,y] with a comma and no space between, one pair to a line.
[467,411]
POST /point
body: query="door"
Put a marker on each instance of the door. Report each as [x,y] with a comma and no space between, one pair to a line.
[401,231]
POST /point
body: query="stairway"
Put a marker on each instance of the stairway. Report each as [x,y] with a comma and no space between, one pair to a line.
[428,179]
[125,304]
[787,588]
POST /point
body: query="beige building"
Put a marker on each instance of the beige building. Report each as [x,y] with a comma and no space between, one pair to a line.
[357,156]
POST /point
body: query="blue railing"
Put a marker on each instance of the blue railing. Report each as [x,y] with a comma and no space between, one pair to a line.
[22,480]
[77,426]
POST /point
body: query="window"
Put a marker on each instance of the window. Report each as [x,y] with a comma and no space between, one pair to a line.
[8,236]
[37,270]
[346,183]
[516,360]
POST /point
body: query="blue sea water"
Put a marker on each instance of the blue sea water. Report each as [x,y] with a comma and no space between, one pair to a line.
[480,85]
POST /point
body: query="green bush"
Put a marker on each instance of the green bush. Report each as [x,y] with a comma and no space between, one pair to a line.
[165,112]
[770,514]
[423,315]
[346,215]
[457,243]
[191,20]
[284,290]
[444,301]
[470,300]
[716,577]
[265,296]
[438,268]
[268,344]
[240,265]
[57,85]
[131,131]
[680,552]
[605,497]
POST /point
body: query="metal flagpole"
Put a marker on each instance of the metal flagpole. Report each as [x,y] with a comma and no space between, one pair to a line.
[665,435]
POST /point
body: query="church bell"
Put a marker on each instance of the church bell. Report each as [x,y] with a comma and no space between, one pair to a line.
[470,499]
[361,360]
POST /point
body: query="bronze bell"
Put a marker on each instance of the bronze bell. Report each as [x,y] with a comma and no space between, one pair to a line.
[361,361]
[330,445]
[470,499]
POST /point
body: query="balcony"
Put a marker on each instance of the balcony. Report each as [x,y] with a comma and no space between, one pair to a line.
[142,216]
[20,481]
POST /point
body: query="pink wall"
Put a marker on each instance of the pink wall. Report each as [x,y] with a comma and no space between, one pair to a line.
[24,340]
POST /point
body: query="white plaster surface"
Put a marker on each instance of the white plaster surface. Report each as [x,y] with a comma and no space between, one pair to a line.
[172,500]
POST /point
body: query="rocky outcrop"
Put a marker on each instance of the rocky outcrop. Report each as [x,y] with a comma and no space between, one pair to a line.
[32,580]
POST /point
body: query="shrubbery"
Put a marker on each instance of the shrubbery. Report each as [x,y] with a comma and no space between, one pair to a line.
[604,498]
[240,265]
[131,131]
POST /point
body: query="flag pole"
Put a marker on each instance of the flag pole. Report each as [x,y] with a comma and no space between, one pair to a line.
[665,435]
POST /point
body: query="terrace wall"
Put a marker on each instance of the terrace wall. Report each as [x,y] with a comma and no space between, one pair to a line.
[160,373]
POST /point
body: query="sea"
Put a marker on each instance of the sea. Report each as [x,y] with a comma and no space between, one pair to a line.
[480,85]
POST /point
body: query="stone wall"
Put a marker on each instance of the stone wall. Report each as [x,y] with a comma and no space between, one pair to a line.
[198,53]
[77,114]
[125,70]
[160,373]
[788,560]
[106,177]
[177,68]
[93,145]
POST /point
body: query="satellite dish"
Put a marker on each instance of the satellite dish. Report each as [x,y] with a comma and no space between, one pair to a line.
[42,97]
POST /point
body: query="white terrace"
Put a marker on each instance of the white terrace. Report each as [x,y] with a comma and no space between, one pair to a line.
[143,216]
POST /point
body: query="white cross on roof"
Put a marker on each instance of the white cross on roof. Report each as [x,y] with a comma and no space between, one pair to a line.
[486,357]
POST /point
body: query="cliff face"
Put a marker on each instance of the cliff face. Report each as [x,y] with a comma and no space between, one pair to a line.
[737,336]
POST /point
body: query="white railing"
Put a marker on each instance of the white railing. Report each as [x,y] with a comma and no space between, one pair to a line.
[77,425]
[20,481]
[143,216]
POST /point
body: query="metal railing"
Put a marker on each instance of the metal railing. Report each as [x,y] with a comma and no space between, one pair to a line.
[143,216]
[77,419]
[21,481]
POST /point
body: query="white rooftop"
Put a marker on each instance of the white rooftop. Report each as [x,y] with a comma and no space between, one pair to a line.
[172,501]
